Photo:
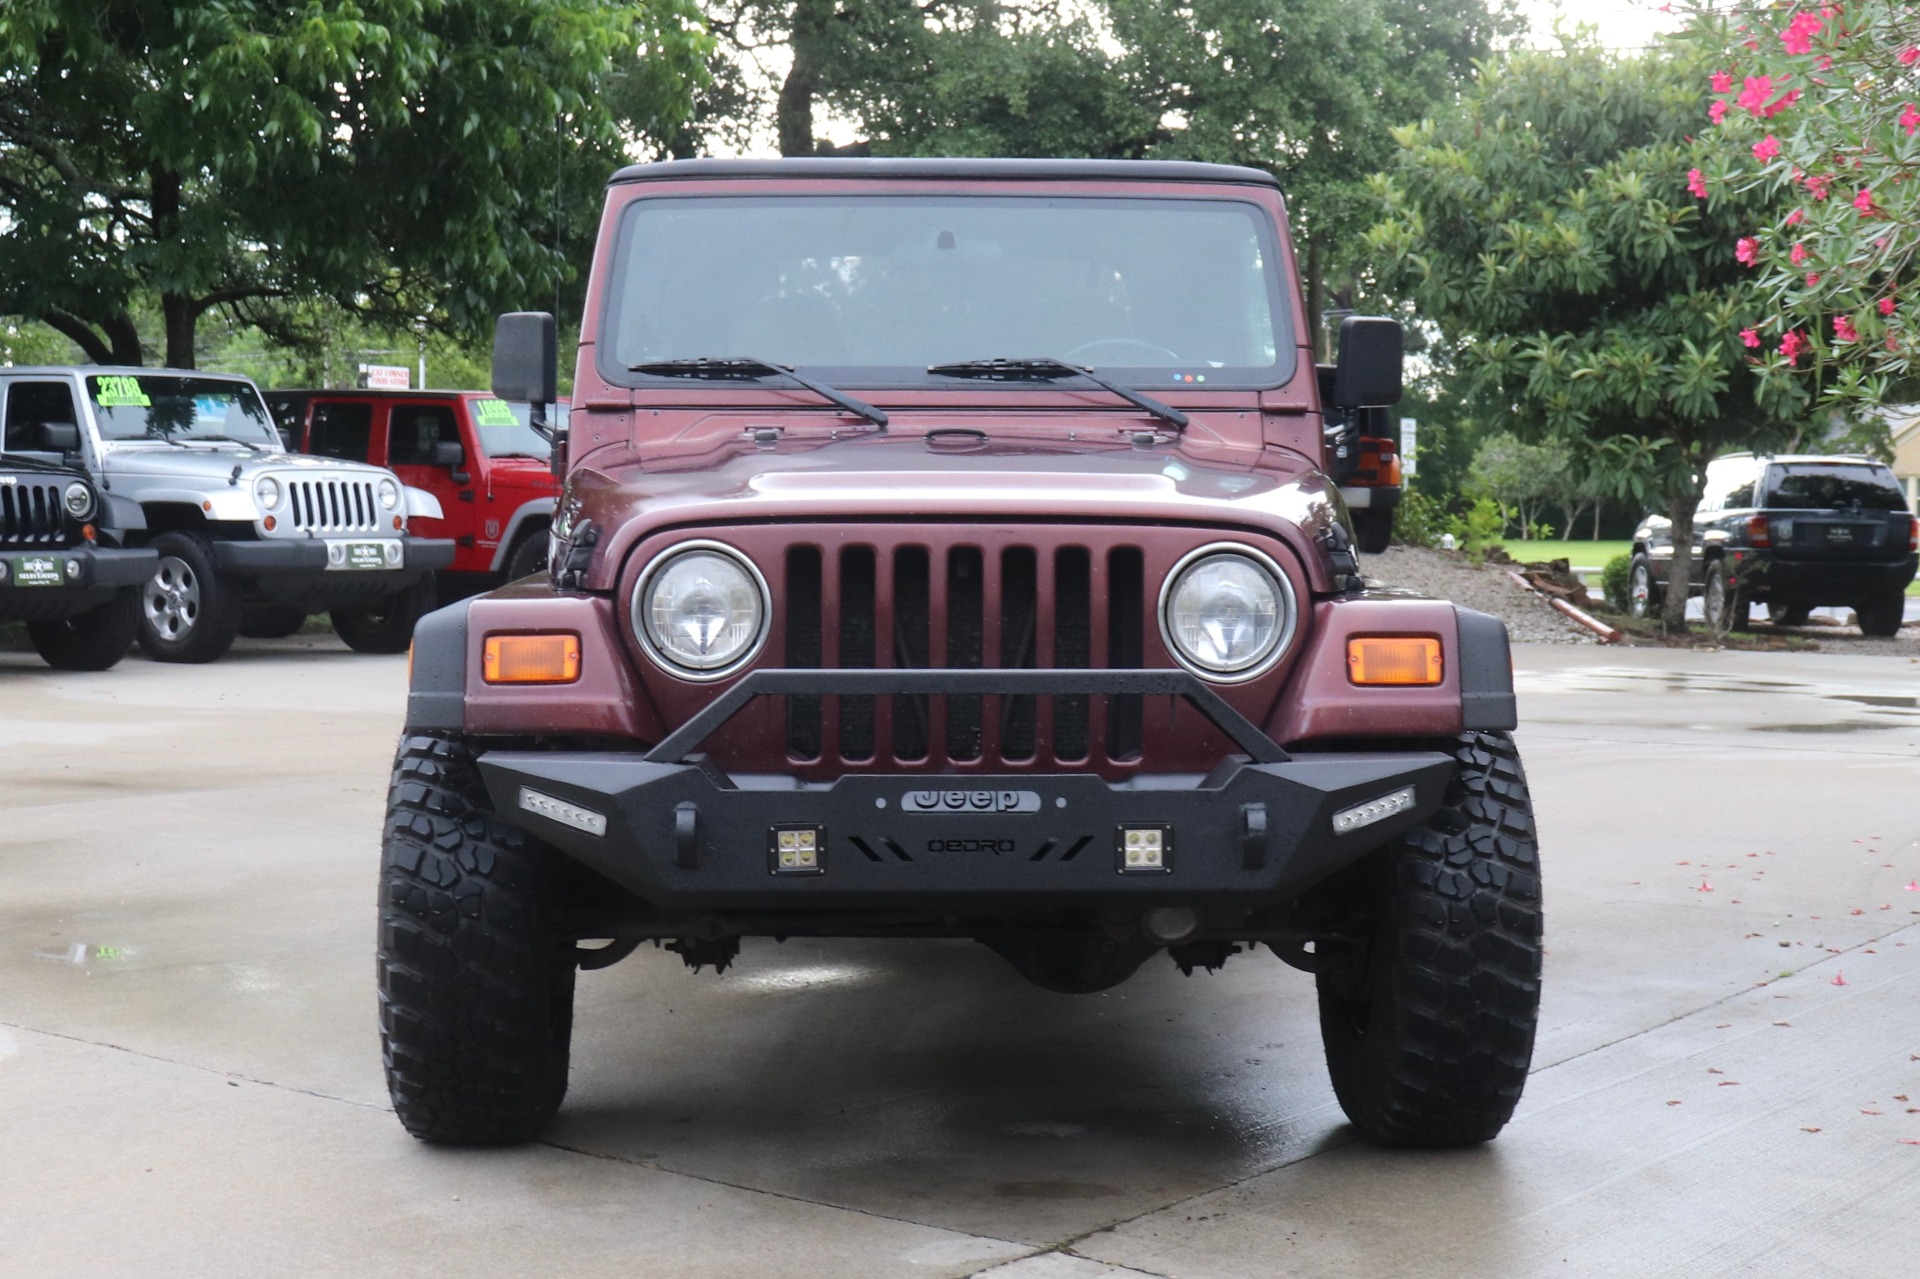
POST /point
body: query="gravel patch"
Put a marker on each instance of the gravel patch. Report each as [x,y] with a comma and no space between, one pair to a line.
[1448,576]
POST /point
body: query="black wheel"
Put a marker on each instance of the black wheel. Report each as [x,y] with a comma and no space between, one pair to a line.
[1789,614]
[1069,964]
[89,641]
[1643,596]
[1881,617]
[529,556]
[1373,530]
[276,622]
[1428,1021]
[187,614]
[386,624]
[476,980]
[1723,604]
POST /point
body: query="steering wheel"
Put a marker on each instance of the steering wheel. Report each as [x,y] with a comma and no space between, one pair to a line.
[1087,352]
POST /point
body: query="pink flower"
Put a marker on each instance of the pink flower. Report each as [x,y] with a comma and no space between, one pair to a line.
[1864,202]
[1910,119]
[1697,183]
[1817,185]
[1887,305]
[1910,55]
[1813,278]
[1796,217]
[1746,250]
[1718,111]
[1792,345]
[1754,96]
[1766,148]
[1722,82]
[1751,338]
[1843,330]
[1823,63]
[1798,37]
[1780,104]
[1798,255]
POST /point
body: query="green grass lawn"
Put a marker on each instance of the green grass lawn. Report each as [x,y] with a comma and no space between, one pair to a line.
[1579,552]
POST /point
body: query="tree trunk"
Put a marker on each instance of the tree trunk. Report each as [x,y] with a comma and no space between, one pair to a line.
[182,316]
[1598,509]
[793,112]
[1673,610]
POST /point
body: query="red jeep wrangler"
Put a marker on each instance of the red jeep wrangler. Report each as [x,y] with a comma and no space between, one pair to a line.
[946,552]
[479,455]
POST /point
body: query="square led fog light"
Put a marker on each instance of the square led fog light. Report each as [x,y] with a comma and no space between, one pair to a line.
[1144,850]
[797,850]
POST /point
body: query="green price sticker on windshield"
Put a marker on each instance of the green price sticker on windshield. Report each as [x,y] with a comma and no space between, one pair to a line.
[494,413]
[120,393]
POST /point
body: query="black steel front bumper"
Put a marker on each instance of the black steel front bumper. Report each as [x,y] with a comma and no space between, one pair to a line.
[1257,830]
[1831,581]
[89,577]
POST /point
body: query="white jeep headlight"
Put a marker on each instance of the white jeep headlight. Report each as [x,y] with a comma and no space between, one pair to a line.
[266,491]
[389,494]
[1226,612]
[701,610]
[78,500]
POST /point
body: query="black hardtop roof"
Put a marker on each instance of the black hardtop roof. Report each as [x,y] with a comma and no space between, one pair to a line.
[947,170]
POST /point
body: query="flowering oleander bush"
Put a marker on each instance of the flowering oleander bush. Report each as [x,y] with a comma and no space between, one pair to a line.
[1816,108]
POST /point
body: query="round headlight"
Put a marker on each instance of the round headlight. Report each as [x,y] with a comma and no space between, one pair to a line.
[266,491]
[79,500]
[389,494]
[702,609]
[1227,613]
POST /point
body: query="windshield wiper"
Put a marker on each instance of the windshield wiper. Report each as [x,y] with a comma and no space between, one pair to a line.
[742,368]
[231,439]
[1047,369]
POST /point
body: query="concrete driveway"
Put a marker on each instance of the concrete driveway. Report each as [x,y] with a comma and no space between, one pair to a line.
[1727,1078]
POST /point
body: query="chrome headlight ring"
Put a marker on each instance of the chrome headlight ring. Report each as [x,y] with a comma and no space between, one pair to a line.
[1286,621]
[389,493]
[78,499]
[266,491]
[640,611]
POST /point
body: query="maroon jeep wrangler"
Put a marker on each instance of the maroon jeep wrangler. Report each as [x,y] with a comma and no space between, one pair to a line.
[947,551]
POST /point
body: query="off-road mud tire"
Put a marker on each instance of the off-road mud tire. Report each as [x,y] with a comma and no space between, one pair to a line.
[385,625]
[1429,1031]
[91,641]
[186,561]
[476,982]
[1880,618]
[272,622]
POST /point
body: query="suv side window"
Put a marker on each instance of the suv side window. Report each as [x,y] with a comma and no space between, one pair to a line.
[32,405]
[1741,497]
[413,430]
[341,430]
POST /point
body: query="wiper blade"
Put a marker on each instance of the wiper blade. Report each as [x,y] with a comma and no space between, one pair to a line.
[741,368]
[1047,369]
[230,439]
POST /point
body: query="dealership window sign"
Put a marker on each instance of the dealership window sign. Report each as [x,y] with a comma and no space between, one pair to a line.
[386,377]
[1409,436]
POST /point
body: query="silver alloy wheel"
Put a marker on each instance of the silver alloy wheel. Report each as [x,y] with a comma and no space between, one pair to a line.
[1639,589]
[1713,603]
[171,598]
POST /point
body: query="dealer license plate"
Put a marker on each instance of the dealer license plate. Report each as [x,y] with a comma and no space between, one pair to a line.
[366,555]
[37,570]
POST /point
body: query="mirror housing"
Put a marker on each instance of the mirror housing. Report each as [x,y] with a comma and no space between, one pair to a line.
[59,437]
[526,358]
[447,453]
[1367,373]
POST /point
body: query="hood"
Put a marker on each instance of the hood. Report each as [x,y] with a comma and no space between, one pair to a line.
[962,477]
[200,461]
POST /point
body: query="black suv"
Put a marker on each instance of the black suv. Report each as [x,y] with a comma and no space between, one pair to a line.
[1795,532]
[61,570]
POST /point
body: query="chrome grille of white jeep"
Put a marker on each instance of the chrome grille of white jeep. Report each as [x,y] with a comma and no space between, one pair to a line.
[333,506]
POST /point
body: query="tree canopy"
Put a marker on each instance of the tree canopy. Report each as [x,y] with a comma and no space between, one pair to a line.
[1546,227]
[396,157]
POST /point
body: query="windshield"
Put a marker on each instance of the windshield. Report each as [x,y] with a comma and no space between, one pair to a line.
[504,431]
[1830,487]
[130,407]
[874,289]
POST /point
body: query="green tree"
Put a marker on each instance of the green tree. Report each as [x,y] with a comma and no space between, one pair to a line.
[1521,477]
[1545,226]
[396,157]
[1822,113]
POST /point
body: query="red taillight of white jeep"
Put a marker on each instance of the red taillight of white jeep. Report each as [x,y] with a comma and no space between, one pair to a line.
[1759,532]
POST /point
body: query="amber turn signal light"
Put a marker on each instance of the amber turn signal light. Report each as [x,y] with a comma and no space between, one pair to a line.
[531,659]
[1394,660]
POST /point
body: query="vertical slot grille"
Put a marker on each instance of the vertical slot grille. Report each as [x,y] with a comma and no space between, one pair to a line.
[857,648]
[331,506]
[1019,619]
[803,647]
[1126,646]
[30,514]
[1072,646]
[966,638]
[912,630]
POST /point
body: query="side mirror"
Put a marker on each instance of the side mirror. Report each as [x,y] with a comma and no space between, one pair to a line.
[1367,373]
[526,358]
[59,437]
[447,453]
